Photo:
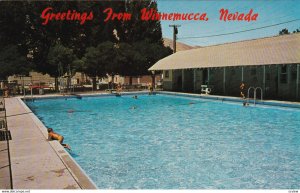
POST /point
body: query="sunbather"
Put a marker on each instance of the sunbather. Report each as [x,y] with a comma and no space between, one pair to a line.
[55,136]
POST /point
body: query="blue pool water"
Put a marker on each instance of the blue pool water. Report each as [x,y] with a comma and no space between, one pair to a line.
[169,142]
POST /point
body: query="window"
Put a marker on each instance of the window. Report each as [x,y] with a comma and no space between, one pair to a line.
[283,75]
[167,74]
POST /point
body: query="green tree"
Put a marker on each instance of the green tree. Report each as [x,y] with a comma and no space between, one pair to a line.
[12,62]
[145,38]
[140,56]
[151,53]
[138,30]
[284,31]
[60,60]
[21,25]
[296,31]
[13,52]
[98,60]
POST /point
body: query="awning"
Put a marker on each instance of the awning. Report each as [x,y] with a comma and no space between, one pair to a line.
[284,49]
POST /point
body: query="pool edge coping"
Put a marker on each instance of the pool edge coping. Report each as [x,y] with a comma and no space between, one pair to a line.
[79,175]
[194,95]
[288,104]
[55,96]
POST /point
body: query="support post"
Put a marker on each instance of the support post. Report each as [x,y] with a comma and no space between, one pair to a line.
[23,84]
[224,80]
[31,88]
[278,80]
[264,80]
[153,80]
[175,32]
[182,80]
[208,78]
[242,73]
[297,81]
[195,82]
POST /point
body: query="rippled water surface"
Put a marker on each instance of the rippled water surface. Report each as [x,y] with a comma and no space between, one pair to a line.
[167,142]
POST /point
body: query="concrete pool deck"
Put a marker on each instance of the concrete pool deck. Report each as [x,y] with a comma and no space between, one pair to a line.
[36,162]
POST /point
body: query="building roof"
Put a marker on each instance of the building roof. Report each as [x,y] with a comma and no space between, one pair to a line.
[284,49]
[179,46]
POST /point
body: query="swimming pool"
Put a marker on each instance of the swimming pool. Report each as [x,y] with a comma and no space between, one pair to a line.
[175,142]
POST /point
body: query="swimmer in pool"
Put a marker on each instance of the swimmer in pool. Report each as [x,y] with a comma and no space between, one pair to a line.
[245,104]
[71,111]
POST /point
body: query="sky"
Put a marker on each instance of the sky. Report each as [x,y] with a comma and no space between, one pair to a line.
[270,12]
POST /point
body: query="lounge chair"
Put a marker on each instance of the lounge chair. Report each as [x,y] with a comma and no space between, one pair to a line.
[205,89]
[5,135]
[2,123]
[2,108]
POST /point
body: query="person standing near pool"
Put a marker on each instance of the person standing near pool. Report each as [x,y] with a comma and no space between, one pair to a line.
[150,88]
[119,88]
[55,136]
[242,89]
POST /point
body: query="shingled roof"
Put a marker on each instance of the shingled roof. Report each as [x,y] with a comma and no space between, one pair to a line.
[284,49]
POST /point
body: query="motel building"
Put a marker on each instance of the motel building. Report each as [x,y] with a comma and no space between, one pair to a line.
[272,64]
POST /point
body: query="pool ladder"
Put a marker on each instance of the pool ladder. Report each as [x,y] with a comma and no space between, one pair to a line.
[254,100]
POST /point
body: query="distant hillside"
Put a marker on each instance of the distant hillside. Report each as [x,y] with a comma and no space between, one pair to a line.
[179,46]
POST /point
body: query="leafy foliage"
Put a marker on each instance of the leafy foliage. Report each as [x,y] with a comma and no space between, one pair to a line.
[59,60]
[296,31]
[97,59]
[95,48]
[12,62]
[284,31]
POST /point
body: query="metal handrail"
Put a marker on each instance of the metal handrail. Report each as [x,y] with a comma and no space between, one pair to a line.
[254,97]
[261,94]
[249,93]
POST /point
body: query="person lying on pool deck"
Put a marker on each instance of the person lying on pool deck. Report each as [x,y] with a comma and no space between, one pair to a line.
[55,136]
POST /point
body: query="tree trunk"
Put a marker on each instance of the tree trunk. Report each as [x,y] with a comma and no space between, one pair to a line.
[82,78]
[86,79]
[112,81]
[68,84]
[130,80]
[153,81]
[94,83]
[56,84]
